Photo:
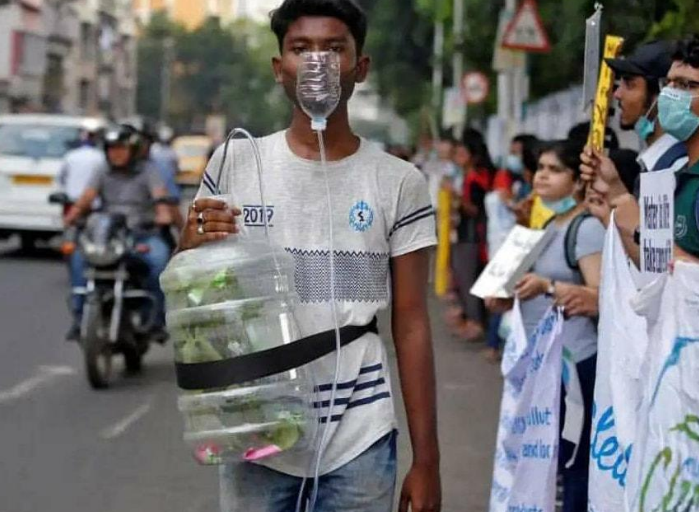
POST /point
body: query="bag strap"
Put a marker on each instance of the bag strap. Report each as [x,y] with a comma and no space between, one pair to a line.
[572,239]
[673,154]
[229,372]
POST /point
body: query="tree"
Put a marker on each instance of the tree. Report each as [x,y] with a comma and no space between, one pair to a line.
[216,69]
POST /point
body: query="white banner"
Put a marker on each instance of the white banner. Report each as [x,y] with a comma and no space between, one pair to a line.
[526,455]
[618,388]
[657,222]
[666,465]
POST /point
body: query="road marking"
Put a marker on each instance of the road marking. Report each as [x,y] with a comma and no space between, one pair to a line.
[44,375]
[116,430]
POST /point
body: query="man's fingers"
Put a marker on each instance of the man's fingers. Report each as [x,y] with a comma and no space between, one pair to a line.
[220,227]
[199,205]
[218,216]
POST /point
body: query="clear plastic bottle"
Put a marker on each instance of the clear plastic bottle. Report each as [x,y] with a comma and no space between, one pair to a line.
[318,86]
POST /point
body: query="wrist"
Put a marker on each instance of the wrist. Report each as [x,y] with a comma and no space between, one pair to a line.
[550,289]
[616,190]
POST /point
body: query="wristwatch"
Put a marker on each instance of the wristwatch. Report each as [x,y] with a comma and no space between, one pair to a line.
[551,290]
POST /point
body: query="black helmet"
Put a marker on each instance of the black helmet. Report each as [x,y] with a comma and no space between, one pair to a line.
[123,135]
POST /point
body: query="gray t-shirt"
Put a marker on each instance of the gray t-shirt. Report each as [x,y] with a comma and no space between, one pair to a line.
[380,210]
[552,265]
[129,192]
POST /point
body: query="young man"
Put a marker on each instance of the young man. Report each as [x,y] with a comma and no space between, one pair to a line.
[641,75]
[383,225]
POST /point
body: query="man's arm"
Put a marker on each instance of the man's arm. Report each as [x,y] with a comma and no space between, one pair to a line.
[627,219]
[411,334]
[81,206]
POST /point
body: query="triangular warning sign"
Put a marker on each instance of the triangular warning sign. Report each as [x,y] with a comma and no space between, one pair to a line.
[526,31]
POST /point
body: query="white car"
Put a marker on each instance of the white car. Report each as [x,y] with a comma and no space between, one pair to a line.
[31,154]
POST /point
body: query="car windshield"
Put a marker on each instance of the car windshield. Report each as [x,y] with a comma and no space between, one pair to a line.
[37,141]
[191,150]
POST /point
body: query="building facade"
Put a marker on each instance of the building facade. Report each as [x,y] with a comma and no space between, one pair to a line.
[68,56]
[192,13]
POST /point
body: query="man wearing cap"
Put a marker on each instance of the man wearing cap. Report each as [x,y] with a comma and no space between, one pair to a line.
[641,77]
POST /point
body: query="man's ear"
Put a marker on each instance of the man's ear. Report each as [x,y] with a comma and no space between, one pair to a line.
[277,69]
[363,66]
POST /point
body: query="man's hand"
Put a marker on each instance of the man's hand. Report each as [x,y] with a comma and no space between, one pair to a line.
[421,489]
[577,300]
[531,286]
[213,217]
[599,170]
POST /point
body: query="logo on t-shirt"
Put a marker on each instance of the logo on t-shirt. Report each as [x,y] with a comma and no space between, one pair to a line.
[681,227]
[361,216]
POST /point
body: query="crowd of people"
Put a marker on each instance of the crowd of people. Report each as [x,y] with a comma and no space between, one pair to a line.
[568,187]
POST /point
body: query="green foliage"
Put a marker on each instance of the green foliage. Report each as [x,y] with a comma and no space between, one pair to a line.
[679,21]
[216,69]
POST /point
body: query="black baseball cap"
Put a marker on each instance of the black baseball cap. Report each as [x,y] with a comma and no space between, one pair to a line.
[651,60]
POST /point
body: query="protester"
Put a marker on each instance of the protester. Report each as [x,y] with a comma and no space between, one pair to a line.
[553,281]
[436,170]
[469,253]
[385,223]
[638,95]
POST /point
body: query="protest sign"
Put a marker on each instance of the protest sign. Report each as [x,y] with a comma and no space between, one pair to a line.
[526,454]
[657,222]
[618,387]
[666,463]
[516,256]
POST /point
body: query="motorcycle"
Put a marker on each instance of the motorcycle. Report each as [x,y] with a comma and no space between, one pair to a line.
[119,312]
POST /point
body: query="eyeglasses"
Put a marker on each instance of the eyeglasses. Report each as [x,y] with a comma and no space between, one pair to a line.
[681,84]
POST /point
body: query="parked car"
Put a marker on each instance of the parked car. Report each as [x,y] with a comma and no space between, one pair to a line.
[31,153]
[193,154]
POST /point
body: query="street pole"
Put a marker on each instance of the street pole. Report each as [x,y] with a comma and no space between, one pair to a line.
[166,78]
[458,62]
[438,67]
[508,97]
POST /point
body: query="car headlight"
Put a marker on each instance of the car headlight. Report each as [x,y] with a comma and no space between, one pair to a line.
[103,255]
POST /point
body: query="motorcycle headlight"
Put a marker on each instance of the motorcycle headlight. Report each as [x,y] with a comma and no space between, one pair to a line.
[103,255]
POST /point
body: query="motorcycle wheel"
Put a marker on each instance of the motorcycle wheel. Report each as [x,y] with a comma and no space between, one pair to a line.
[96,349]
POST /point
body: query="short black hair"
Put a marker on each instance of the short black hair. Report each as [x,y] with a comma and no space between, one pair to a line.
[567,151]
[626,162]
[580,133]
[688,51]
[347,11]
[530,144]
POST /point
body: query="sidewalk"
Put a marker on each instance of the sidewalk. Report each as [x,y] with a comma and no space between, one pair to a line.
[468,392]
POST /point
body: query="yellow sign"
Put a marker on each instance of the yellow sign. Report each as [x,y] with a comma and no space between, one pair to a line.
[441,278]
[600,113]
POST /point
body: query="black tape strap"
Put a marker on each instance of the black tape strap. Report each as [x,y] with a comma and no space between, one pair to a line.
[229,372]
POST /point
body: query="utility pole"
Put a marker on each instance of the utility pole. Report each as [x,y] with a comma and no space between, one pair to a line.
[438,66]
[458,61]
[166,78]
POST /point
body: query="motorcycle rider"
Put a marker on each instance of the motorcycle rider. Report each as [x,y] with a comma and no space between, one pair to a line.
[128,185]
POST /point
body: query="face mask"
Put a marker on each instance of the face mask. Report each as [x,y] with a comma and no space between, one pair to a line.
[675,113]
[644,126]
[513,163]
[562,205]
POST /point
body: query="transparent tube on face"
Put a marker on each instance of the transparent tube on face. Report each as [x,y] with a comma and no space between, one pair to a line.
[318,87]
[318,91]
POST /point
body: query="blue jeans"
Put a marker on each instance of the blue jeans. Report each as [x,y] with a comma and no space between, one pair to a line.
[156,259]
[494,340]
[366,484]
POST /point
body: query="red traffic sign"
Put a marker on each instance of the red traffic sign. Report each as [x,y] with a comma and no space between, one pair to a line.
[475,87]
[526,31]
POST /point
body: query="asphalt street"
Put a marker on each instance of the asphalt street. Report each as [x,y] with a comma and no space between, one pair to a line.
[67,448]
